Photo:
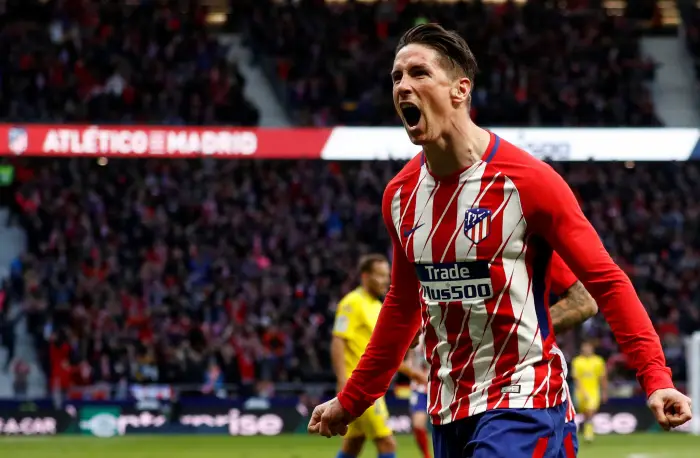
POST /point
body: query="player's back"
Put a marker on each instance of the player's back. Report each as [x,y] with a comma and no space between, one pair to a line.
[587,370]
[483,278]
[356,316]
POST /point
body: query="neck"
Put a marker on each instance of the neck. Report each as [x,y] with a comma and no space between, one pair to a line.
[366,290]
[458,149]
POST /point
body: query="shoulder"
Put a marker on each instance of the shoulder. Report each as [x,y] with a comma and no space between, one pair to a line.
[521,167]
[349,303]
[539,187]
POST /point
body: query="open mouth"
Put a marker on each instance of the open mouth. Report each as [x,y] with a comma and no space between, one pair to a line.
[410,113]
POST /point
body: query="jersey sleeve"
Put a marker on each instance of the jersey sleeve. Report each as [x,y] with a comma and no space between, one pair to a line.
[346,319]
[399,320]
[556,216]
[562,278]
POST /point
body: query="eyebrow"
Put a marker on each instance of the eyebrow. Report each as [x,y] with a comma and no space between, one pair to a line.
[411,67]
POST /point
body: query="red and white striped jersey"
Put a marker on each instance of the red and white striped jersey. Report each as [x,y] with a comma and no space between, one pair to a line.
[471,266]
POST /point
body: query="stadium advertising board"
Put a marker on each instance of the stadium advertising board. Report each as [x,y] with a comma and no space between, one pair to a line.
[237,422]
[339,143]
[105,421]
[110,421]
[38,423]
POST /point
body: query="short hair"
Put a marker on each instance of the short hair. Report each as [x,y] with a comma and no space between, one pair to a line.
[367,262]
[453,49]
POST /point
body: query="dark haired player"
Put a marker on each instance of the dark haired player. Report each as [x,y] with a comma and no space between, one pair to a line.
[474,221]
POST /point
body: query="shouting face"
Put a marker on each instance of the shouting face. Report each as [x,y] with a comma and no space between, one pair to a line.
[427,92]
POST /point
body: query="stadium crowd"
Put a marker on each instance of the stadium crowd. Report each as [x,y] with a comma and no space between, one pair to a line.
[539,64]
[117,62]
[213,273]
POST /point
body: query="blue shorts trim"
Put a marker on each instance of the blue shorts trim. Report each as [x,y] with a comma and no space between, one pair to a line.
[418,402]
[512,433]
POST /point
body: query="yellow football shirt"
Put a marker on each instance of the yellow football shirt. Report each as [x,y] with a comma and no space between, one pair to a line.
[355,319]
[587,371]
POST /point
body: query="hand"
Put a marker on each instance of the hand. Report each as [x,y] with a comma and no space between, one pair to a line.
[330,419]
[416,340]
[670,407]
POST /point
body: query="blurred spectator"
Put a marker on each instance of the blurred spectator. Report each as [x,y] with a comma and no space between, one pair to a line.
[199,272]
[20,384]
[540,64]
[117,62]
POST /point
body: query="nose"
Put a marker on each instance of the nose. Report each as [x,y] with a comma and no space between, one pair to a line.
[403,88]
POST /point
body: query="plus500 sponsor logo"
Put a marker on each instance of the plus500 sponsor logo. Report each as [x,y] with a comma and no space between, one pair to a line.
[459,281]
[238,425]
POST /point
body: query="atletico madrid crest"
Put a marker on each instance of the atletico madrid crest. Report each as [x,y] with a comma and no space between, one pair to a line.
[477,224]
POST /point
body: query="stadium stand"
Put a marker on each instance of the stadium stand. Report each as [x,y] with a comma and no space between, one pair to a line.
[332,60]
[186,272]
[114,62]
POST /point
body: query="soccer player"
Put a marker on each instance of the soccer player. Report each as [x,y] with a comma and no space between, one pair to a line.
[473,221]
[355,319]
[575,305]
[591,384]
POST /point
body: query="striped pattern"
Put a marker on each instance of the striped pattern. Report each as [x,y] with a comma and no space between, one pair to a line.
[488,353]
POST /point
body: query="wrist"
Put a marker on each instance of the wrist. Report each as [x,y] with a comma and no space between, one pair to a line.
[656,380]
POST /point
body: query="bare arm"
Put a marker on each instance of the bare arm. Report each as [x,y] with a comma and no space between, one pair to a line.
[338,360]
[573,308]
[414,375]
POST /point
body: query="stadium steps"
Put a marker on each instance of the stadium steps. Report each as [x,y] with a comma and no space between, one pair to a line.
[257,86]
[12,243]
[674,89]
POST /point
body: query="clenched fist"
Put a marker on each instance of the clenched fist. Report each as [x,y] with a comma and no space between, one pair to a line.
[670,407]
[330,419]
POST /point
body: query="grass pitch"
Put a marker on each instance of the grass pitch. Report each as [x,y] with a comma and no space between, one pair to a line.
[670,445]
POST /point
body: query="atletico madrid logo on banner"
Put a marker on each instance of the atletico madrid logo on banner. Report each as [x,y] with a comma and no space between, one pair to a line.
[17,140]
[477,224]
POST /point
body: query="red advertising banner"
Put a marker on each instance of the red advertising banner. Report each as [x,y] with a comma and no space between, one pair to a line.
[160,141]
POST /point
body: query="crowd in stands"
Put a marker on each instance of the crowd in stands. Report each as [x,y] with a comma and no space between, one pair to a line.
[116,62]
[214,273]
[539,64]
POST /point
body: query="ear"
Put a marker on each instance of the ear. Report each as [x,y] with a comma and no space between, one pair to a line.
[461,90]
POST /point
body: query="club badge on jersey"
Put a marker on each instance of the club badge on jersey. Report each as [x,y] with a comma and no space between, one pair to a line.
[477,224]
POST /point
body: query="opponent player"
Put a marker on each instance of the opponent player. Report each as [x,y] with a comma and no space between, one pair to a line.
[355,319]
[474,221]
[591,384]
[575,305]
